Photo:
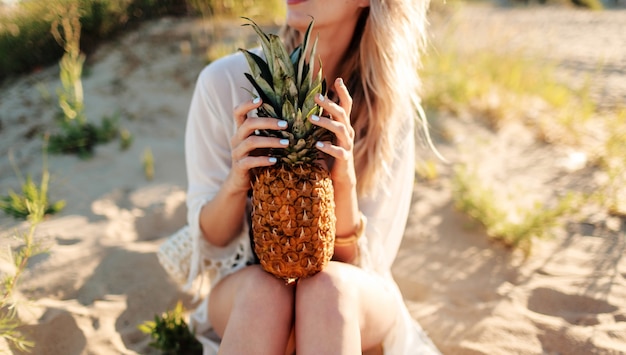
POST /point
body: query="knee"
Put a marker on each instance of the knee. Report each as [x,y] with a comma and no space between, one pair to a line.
[261,289]
[329,289]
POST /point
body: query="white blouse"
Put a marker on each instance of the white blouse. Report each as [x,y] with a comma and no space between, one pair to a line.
[220,87]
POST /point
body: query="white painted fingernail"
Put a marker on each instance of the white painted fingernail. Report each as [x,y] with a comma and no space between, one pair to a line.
[319,145]
[340,81]
[320,97]
[272,160]
[284,141]
[256,100]
[282,124]
[315,118]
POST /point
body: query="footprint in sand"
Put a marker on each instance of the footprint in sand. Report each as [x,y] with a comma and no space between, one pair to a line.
[575,309]
[68,241]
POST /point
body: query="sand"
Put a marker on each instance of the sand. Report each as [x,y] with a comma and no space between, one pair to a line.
[101,277]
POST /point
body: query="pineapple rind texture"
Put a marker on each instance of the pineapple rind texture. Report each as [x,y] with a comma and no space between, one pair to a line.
[293,216]
[293,221]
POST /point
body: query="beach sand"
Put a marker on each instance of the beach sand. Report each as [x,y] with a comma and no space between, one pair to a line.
[101,278]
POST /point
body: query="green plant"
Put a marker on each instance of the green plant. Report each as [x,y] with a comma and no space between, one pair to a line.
[514,225]
[148,164]
[10,323]
[33,197]
[595,5]
[126,139]
[66,29]
[427,170]
[266,11]
[171,334]
[612,161]
[27,43]
[25,39]
[9,320]
[78,136]
[81,139]
[18,206]
[497,86]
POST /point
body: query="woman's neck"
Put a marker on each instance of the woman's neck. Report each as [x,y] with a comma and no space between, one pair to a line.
[331,48]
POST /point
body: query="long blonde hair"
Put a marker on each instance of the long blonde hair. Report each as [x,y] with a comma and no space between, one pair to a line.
[380,69]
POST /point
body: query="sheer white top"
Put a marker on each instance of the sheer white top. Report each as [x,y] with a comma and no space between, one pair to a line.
[220,87]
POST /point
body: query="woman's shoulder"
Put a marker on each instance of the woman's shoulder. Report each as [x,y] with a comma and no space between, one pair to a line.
[224,68]
[230,68]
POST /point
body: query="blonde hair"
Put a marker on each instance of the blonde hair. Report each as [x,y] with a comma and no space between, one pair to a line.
[380,69]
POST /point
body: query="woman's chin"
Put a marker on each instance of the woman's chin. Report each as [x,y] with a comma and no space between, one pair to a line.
[298,19]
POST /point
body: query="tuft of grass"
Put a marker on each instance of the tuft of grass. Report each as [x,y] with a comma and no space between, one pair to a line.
[594,5]
[9,317]
[36,208]
[26,41]
[77,135]
[496,87]
[266,11]
[612,161]
[27,44]
[171,334]
[514,226]
[9,330]
[81,139]
[502,86]
[427,170]
[20,206]
[33,197]
[148,164]
[126,139]
[66,29]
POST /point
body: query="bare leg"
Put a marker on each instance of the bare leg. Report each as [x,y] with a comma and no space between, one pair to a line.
[342,310]
[252,311]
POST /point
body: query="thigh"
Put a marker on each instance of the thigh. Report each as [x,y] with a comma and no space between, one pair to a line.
[248,287]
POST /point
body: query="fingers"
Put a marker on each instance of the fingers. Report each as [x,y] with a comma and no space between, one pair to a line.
[241,111]
[245,164]
[239,173]
[244,142]
[334,151]
[246,127]
[243,161]
[345,100]
[343,133]
[339,112]
[243,150]
[339,123]
[249,126]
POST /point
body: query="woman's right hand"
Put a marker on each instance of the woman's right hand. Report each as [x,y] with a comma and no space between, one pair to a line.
[245,141]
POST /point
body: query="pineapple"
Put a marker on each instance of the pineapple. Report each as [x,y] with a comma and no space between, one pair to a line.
[293,214]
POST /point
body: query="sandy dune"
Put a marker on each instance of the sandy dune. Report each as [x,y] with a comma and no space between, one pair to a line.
[101,277]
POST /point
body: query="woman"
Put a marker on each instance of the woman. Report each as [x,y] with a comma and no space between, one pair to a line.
[369,49]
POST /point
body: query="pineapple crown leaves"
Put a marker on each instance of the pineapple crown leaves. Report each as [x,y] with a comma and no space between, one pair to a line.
[287,85]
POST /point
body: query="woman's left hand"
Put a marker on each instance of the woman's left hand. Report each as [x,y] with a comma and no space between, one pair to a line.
[342,172]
